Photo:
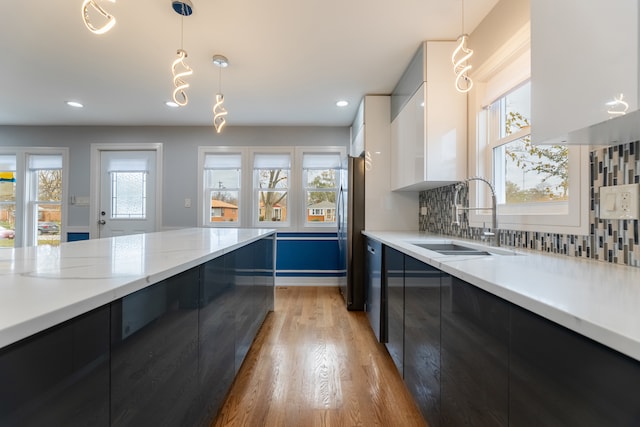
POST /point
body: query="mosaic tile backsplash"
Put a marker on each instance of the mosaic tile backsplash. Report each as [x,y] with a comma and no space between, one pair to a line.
[614,241]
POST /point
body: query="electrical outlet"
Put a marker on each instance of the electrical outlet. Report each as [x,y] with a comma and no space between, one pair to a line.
[619,201]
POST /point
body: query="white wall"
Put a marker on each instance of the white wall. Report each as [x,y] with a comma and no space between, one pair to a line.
[180,146]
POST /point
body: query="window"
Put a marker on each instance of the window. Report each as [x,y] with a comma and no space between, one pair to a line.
[7,200]
[32,188]
[222,183]
[271,187]
[539,188]
[128,195]
[45,177]
[522,172]
[320,174]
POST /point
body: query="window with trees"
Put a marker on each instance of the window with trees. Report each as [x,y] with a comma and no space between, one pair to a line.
[320,175]
[222,187]
[45,196]
[539,187]
[7,200]
[523,172]
[32,188]
[271,187]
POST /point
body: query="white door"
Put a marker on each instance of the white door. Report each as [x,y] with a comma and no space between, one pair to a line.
[127,192]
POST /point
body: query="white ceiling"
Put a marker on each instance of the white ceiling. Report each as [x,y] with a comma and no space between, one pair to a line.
[289,61]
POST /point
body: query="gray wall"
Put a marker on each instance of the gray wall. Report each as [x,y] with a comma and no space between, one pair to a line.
[180,145]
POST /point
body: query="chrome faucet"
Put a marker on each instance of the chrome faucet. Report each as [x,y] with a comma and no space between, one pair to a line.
[494,234]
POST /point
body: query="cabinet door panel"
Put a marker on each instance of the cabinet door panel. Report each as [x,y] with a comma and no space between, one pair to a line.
[394,281]
[59,377]
[475,355]
[561,378]
[422,337]
[154,353]
[216,334]
[373,282]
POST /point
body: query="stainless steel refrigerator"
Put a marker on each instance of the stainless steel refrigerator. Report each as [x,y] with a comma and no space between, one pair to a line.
[350,224]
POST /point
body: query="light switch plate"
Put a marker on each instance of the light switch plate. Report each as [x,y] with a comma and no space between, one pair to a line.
[620,201]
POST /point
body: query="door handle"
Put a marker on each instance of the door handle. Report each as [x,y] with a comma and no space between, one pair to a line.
[102,222]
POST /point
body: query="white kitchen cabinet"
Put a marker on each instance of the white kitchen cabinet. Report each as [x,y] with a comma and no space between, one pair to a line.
[384,209]
[583,55]
[429,133]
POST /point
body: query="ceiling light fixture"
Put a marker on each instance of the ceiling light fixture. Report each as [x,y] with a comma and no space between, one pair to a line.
[74,104]
[460,65]
[219,112]
[179,69]
[110,21]
[342,103]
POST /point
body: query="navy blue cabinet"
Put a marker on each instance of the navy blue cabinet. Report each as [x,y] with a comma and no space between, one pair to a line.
[422,319]
[560,378]
[154,353]
[216,337]
[164,355]
[395,309]
[374,302]
[475,356]
[59,377]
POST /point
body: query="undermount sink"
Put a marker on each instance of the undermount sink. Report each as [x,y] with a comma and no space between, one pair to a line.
[451,249]
[458,249]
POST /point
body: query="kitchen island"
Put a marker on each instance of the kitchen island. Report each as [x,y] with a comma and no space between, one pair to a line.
[133,330]
[510,337]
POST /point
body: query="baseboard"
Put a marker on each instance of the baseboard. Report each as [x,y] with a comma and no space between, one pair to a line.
[307,281]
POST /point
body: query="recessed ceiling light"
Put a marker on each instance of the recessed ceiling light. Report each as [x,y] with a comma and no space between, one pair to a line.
[171,104]
[75,104]
[342,103]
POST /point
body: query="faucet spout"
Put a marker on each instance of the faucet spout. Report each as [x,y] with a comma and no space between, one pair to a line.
[495,233]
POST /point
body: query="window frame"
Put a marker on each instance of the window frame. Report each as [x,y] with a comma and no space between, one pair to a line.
[204,203]
[26,226]
[540,217]
[300,153]
[292,192]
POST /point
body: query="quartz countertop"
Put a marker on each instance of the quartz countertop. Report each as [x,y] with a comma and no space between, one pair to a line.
[46,285]
[596,299]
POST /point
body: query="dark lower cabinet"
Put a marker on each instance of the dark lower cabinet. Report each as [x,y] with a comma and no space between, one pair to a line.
[165,355]
[470,358]
[154,354]
[560,378]
[216,337]
[422,320]
[59,377]
[374,302]
[475,356]
[395,309]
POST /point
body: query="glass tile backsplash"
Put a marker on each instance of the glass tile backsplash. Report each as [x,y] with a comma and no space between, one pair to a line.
[614,241]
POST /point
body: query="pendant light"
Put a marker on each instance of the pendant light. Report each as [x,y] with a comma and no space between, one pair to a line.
[219,112]
[179,69]
[92,7]
[617,107]
[459,58]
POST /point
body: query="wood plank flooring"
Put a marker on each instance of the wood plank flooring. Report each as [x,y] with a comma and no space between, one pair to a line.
[314,363]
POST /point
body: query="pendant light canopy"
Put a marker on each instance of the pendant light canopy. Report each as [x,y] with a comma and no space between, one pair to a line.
[460,58]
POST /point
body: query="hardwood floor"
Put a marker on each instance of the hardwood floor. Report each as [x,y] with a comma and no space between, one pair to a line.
[314,363]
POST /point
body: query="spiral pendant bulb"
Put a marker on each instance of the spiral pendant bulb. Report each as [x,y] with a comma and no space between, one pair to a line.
[219,113]
[110,20]
[179,94]
[460,66]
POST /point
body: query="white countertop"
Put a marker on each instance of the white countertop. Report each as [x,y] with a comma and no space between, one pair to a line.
[596,299]
[43,286]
